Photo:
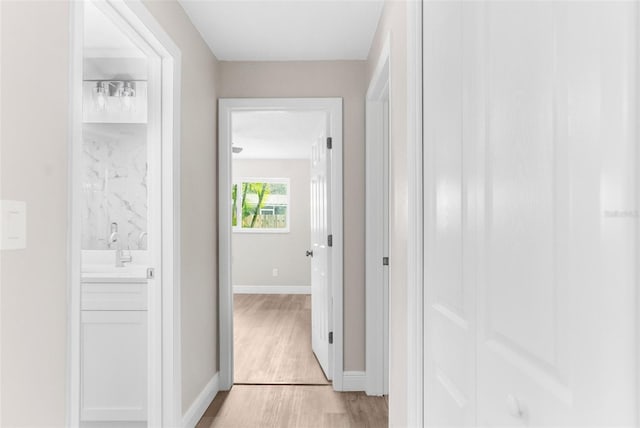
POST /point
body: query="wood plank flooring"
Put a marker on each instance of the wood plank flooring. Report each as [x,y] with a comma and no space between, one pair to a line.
[272,340]
[294,406]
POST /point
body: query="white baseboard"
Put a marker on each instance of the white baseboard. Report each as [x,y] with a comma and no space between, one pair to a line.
[354,381]
[191,418]
[271,289]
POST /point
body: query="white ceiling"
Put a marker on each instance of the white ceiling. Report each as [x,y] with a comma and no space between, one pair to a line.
[290,30]
[262,30]
[276,134]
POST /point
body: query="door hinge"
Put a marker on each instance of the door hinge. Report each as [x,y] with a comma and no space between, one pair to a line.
[330,240]
[385,261]
[329,143]
[330,338]
[151,273]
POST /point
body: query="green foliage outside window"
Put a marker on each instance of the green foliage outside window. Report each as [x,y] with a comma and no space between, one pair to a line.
[260,205]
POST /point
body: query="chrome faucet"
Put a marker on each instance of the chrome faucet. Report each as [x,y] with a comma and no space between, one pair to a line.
[140,239]
[121,259]
[115,236]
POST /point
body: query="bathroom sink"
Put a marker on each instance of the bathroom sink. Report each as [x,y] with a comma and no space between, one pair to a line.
[111,271]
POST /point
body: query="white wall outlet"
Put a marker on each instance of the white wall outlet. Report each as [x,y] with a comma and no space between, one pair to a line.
[13,225]
[275,272]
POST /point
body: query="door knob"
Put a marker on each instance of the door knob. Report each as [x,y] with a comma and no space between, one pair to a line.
[515,407]
[309,253]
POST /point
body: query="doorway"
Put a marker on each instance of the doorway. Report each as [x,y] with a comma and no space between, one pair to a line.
[326,251]
[271,256]
[124,319]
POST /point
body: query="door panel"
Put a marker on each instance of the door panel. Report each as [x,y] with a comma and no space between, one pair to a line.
[521,167]
[114,366]
[449,312]
[320,284]
[541,319]
[523,302]
[531,213]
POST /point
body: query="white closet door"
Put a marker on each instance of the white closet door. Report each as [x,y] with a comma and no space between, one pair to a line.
[449,294]
[531,217]
[556,299]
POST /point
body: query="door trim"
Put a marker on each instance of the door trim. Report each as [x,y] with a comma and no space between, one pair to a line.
[226,106]
[637,130]
[0,196]
[378,93]
[164,388]
[415,231]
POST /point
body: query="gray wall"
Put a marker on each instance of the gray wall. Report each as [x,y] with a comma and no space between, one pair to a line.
[199,200]
[256,254]
[34,116]
[346,79]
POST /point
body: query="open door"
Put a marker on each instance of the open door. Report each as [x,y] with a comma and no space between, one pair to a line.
[326,204]
[321,335]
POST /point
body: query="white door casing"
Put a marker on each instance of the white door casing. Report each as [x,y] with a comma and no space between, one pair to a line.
[320,291]
[530,137]
[333,109]
[414,357]
[386,176]
[377,225]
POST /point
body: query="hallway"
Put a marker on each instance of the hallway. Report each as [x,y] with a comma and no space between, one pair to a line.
[278,382]
[513,258]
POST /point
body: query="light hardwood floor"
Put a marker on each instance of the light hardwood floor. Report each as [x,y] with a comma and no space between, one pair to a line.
[272,340]
[294,406]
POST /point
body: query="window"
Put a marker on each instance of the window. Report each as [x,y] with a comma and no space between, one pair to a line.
[260,205]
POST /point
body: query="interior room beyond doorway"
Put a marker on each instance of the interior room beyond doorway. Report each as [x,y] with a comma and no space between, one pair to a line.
[271,232]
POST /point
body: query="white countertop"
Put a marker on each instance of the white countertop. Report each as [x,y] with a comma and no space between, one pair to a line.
[110,273]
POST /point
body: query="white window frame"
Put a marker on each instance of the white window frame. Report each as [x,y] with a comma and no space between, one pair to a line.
[238,181]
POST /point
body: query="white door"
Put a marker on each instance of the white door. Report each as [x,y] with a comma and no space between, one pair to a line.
[556,305]
[449,314]
[320,284]
[531,218]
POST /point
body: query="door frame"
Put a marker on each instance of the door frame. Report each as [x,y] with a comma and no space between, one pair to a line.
[226,106]
[378,93]
[637,130]
[164,364]
[415,232]
[0,197]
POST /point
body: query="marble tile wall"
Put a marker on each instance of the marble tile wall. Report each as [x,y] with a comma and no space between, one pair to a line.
[114,185]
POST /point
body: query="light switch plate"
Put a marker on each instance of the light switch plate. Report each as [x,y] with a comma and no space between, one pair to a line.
[13,225]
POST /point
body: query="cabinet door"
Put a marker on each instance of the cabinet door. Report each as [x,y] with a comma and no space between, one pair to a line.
[114,366]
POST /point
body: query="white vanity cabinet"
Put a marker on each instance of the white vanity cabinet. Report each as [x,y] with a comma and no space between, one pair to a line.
[113,340]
